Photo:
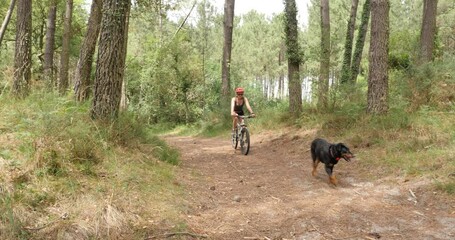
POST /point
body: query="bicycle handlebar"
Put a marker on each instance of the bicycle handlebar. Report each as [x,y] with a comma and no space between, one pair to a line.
[246,116]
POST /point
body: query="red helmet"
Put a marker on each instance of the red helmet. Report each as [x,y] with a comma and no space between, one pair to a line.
[239,90]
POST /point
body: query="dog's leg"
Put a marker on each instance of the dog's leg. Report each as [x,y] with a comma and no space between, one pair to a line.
[315,166]
[332,178]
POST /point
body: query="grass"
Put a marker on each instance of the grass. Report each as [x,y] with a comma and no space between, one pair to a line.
[68,176]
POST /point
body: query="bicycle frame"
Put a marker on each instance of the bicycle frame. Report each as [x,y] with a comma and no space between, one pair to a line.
[241,122]
[242,135]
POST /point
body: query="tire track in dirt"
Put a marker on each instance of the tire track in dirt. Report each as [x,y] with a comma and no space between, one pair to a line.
[270,194]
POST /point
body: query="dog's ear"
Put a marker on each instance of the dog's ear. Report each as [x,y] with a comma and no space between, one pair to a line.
[342,148]
[339,147]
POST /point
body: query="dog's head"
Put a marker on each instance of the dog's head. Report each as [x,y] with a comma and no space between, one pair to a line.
[343,151]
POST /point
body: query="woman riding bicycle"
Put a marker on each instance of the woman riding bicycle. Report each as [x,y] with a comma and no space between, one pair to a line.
[237,104]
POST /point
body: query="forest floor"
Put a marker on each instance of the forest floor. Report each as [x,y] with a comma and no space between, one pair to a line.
[271,194]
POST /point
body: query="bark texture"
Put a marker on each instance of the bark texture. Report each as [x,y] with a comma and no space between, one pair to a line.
[378,77]
[64,57]
[83,83]
[49,44]
[227,49]
[6,20]
[346,68]
[323,86]
[294,58]
[23,51]
[110,66]
[428,31]
[360,41]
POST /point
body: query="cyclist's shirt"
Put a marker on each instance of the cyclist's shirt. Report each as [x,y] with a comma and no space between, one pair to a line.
[239,108]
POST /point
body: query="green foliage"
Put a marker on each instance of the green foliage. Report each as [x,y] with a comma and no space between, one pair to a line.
[171,90]
[399,62]
[62,133]
[163,152]
[127,130]
[427,86]
[251,37]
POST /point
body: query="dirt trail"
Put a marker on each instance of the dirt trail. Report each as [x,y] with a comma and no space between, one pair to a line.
[270,194]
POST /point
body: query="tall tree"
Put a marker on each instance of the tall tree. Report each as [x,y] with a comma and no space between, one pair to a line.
[281,74]
[49,44]
[360,41]
[123,99]
[346,67]
[323,86]
[23,52]
[428,30]
[65,55]
[83,83]
[202,24]
[378,77]
[227,49]
[110,65]
[294,58]
[6,20]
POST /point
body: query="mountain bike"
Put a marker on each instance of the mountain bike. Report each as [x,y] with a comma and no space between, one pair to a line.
[242,135]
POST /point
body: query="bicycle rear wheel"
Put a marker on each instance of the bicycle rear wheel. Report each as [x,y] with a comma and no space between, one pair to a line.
[245,141]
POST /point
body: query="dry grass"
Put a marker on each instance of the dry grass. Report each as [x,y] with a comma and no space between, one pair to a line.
[128,194]
[55,187]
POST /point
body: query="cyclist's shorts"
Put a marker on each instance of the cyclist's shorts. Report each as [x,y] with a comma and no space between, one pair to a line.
[240,113]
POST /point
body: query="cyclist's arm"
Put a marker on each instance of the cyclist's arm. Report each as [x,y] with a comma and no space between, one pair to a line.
[232,107]
[248,106]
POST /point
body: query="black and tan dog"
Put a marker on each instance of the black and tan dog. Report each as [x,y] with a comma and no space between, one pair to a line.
[329,154]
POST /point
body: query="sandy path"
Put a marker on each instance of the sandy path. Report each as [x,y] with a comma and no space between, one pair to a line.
[270,194]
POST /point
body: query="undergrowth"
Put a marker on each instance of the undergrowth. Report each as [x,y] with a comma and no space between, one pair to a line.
[70,176]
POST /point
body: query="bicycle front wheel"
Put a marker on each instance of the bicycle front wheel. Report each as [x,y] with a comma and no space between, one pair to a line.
[235,140]
[245,141]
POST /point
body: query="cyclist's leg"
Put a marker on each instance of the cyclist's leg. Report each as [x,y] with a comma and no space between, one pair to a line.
[234,126]
[235,120]
[234,123]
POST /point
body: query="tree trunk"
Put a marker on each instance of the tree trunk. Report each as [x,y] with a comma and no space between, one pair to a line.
[83,83]
[23,52]
[360,42]
[40,35]
[227,48]
[346,68]
[49,45]
[123,99]
[323,89]
[64,56]
[281,59]
[203,38]
[378,77]
[110,66]
[428,31]
[6,20]
[294,58]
